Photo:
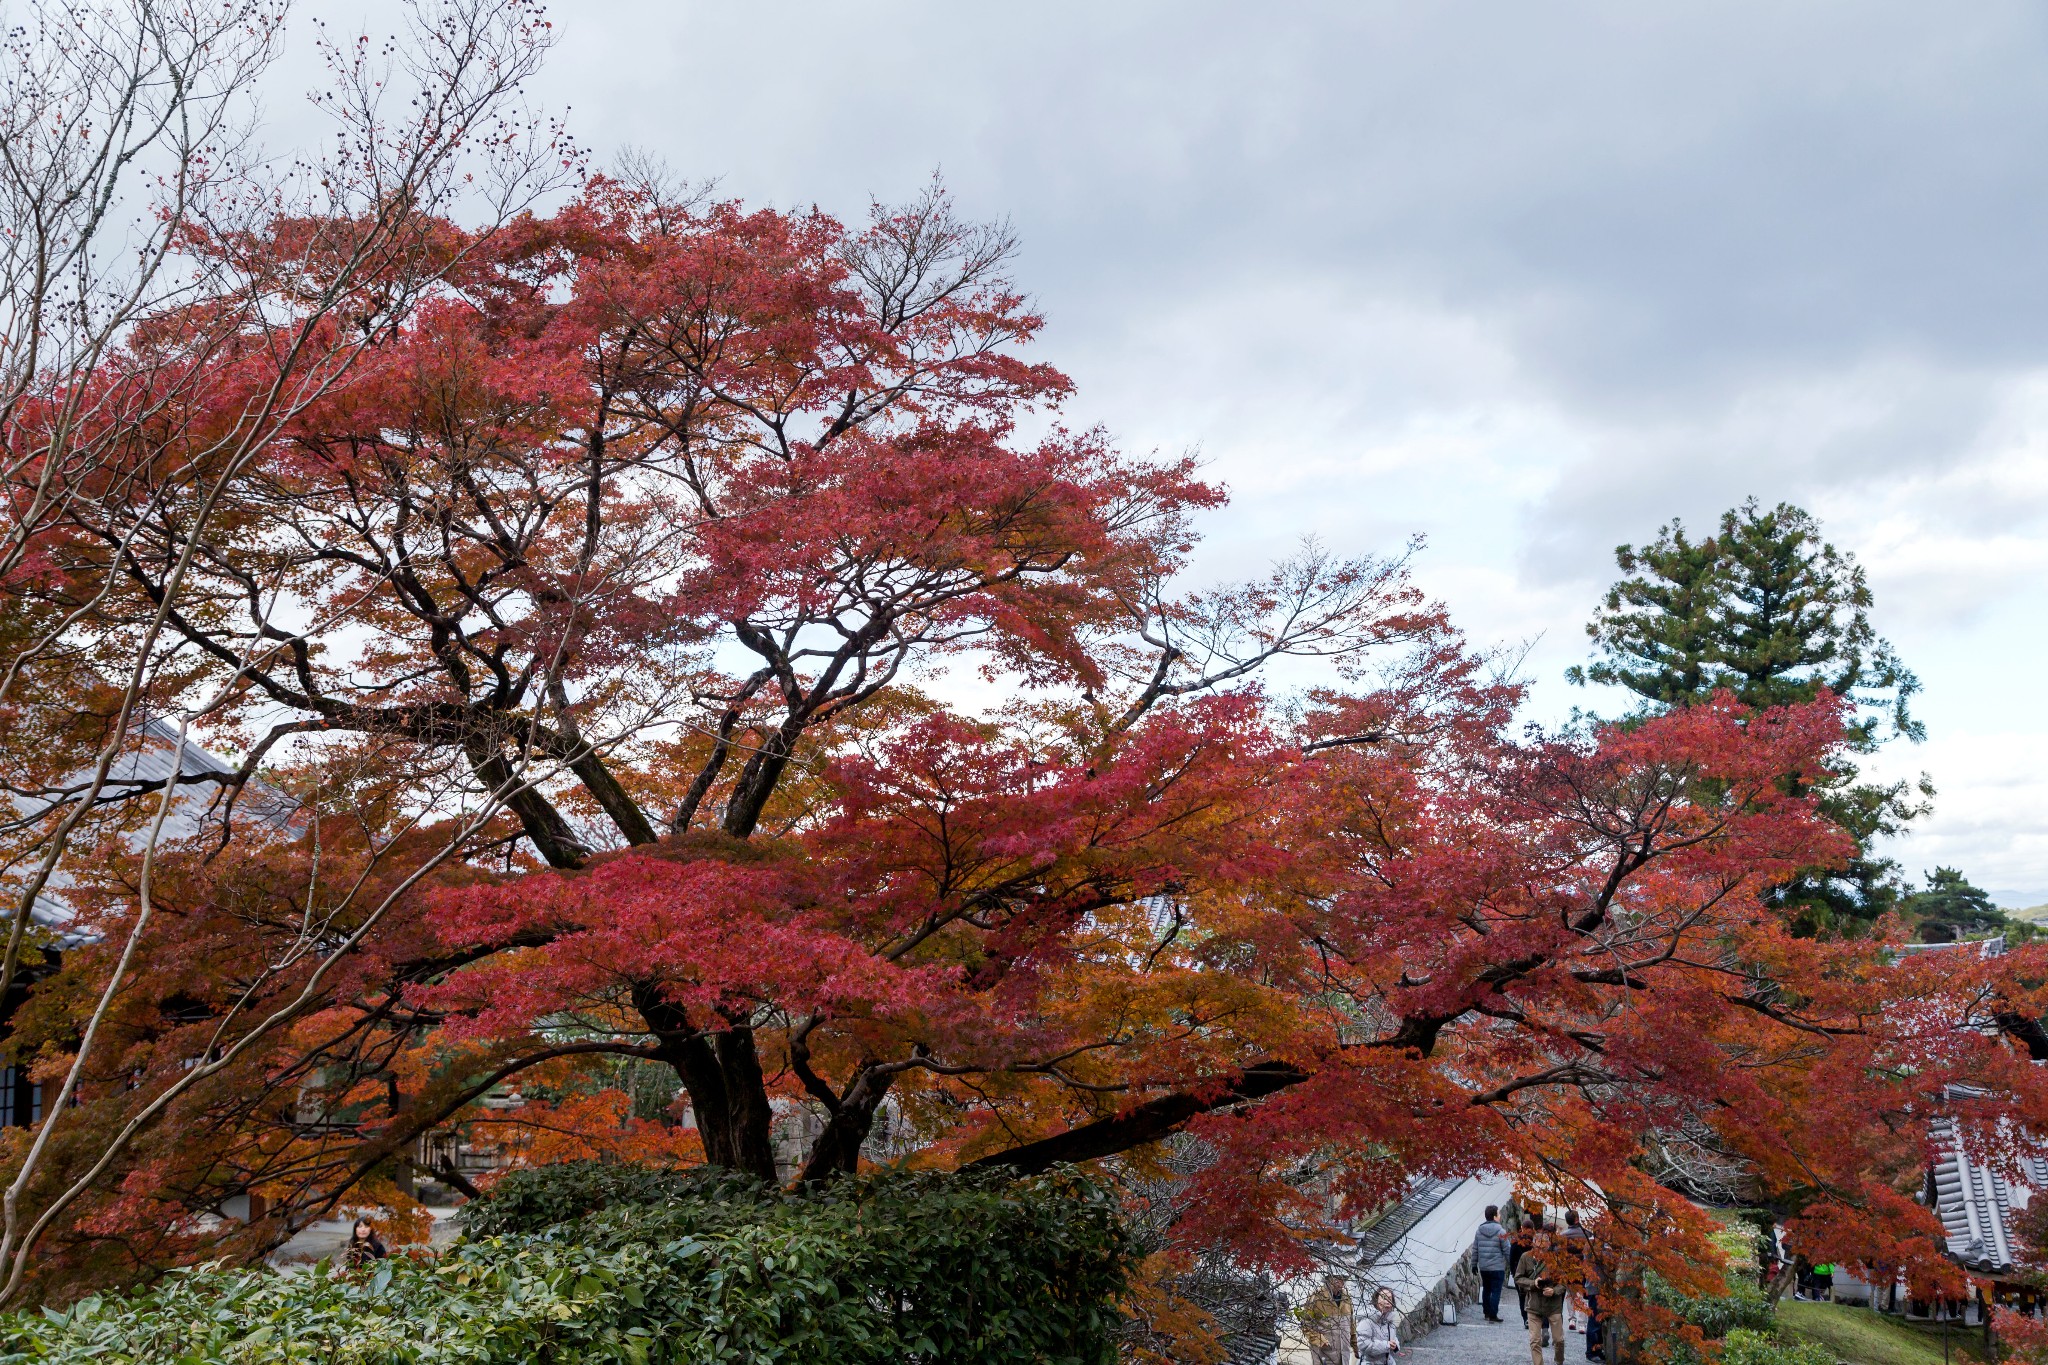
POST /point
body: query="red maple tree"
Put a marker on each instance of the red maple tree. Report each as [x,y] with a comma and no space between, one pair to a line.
[693,644]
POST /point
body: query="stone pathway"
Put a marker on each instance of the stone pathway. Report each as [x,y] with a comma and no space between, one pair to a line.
[1475,1341]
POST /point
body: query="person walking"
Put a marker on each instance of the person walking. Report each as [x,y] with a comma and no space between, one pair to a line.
[1518,1244]
[364,1246]
[1327,1323]
[1528,1221]
[1580,1243]
[1490,1259]
[1379,1339]
[1543,1280]
[1575,1246]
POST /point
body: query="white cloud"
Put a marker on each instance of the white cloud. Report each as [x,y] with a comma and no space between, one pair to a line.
[1994,786]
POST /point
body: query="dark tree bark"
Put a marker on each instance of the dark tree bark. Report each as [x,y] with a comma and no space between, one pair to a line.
[1148,1122]
[543,824]
[836,1151]
[721,1072]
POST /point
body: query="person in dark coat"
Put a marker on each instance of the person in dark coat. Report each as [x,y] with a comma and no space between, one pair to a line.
[1490,1258]
[1580,1244]
[1526,1226]
[364,1245]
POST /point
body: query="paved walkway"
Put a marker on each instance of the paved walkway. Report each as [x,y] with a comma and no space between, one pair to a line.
[1475,1341]
[323,1239]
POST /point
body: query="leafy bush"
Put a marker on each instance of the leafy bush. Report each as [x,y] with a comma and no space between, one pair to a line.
[1743,1308]
[938,1269]
[1746,1347]
[534,1198]
[540,1304]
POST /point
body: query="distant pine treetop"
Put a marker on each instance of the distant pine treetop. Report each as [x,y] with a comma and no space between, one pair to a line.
[1767,610]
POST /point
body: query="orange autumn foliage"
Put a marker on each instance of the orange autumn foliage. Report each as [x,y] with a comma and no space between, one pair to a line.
[581,626]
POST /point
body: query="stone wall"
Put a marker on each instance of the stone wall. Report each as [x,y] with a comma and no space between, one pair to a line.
[1460,1287]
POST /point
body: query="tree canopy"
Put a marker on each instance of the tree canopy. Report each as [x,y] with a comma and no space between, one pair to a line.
[683,651]
[1950,901]
[1767,611]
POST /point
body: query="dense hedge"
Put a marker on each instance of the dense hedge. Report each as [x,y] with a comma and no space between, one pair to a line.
[1746,1347]
[537,1198]
[902,1268]
[1743,1308]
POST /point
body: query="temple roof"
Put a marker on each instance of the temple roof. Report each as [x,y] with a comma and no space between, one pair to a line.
[1976,1203]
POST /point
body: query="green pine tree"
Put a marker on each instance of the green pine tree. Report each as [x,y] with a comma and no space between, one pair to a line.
[1770,612]
[1657,627]
[1950,907]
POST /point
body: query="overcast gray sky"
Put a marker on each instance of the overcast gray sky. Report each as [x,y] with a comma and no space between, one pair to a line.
[1528,279]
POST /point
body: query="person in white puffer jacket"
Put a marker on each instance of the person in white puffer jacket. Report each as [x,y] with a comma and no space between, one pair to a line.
[1378,1339]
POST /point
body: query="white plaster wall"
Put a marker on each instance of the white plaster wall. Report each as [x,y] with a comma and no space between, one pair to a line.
[1419,1261]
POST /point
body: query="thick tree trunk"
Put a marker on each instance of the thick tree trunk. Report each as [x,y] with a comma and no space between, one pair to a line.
[837,1150]
[721,1072]
[1621,1345]
[748,1116]
[697,1066]
[757,780]
[627,816]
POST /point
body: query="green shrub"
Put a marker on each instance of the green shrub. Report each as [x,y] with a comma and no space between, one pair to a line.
[1746,1347]
[941,1269]
[540,1304]
[534,1198]
[1743,1308]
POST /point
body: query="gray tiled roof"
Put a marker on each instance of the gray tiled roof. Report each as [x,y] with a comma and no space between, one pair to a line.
[1983,947]
[1975,1203]
[1424,1194]
[153,760]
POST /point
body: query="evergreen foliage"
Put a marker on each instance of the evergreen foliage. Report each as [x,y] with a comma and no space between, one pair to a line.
[1767,610]
[1952,902]
[1742,1307]
[1657,628]
[663,1268]
[535,1198]
[1746,1347]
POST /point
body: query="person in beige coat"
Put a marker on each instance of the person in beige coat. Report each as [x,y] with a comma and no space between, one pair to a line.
[1326,1320]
